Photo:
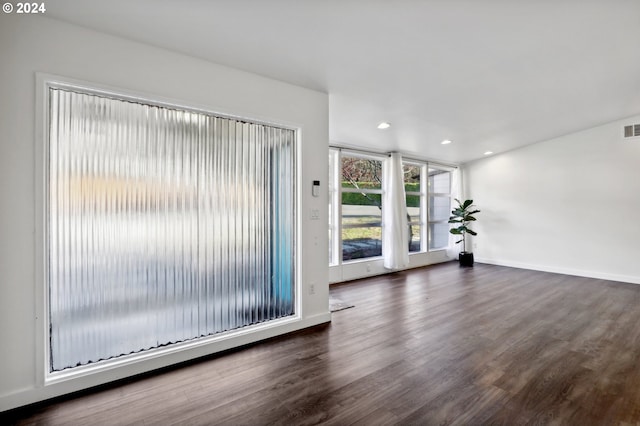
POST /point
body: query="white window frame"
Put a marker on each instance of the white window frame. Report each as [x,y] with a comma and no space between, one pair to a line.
[449,195]
[335,200]
[336,155]
[423,203]
[147,360]
[335,208]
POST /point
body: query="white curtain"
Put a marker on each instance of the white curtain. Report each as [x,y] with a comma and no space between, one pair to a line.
[453,249]
[395,241]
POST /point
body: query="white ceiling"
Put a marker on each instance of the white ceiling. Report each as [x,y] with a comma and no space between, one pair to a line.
[487,74]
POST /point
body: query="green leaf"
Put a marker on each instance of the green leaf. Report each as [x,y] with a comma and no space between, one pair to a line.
[474,212]
[472,232]
[455,231]
[469,218]
[466,204]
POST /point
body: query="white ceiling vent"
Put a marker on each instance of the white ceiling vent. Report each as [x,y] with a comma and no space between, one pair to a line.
[632,131]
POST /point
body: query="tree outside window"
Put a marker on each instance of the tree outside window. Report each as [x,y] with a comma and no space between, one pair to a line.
[361,185]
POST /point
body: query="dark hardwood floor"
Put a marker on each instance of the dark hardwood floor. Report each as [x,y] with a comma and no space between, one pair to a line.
[437,345]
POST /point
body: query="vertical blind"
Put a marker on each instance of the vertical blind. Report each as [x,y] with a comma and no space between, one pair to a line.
[163,225]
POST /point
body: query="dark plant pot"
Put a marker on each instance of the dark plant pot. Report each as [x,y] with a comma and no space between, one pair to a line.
[465,258]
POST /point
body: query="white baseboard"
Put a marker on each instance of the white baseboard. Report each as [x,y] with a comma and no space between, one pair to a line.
[366,268]
[559,270]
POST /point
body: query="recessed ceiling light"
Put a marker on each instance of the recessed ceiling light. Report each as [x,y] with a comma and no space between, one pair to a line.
[384,125]
[488,153]
[445,142]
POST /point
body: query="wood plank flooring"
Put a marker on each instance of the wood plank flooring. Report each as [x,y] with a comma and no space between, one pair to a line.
[438,345]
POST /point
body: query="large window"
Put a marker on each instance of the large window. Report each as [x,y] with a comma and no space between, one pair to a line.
[355,205]
[413,187]
[163,225]
[439,207]
[361,194]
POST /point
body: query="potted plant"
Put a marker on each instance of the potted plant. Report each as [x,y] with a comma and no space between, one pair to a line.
[462,215]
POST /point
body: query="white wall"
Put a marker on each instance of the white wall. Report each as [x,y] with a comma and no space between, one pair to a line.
[566,205]
[30,44]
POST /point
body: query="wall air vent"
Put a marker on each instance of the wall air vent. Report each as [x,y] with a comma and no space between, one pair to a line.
[632,131]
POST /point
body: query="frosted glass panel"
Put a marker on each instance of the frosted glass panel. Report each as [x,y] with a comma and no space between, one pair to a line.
[439,208]
[163,226]
[438,235]
[439,181]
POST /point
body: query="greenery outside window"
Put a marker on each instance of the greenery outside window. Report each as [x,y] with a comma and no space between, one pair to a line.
[361,206]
